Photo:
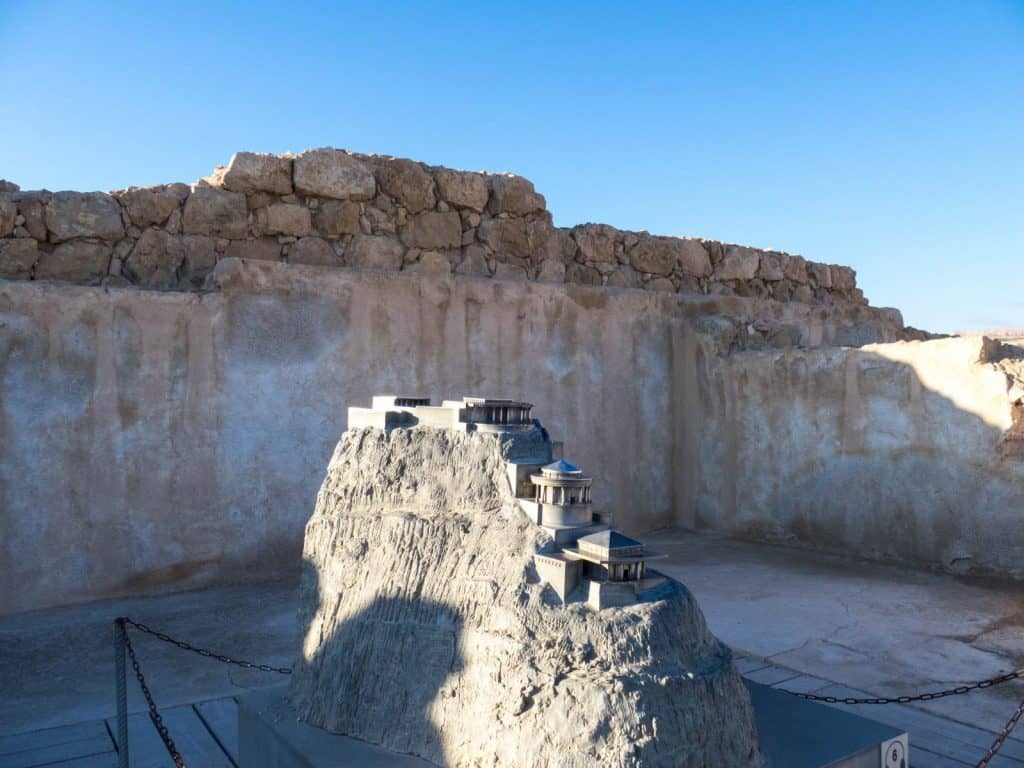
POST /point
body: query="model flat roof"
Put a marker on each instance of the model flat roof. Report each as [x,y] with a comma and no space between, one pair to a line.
[494,401]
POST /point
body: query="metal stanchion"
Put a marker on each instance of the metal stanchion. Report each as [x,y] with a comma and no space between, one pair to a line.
[120,673]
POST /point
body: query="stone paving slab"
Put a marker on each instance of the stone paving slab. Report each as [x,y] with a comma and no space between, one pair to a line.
[877,628]
[57,666]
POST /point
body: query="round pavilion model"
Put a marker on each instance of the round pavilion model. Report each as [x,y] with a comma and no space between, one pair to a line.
[563,494]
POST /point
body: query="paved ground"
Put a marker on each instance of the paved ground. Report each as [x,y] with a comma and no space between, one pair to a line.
[799,620]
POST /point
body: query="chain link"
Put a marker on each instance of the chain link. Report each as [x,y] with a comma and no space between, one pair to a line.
[1003,736]
[154,714]
[930,696]
[208,654]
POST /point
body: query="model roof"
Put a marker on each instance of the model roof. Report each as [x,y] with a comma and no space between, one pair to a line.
[609,539]
[561,467]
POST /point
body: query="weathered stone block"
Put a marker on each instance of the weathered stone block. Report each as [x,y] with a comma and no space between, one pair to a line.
[200,259]
[782,290]
[250,172]
[624,276]
[843,278]
[260,249]
[288,219]
[313,251]
[474,262]
[505,271]
[558,245]
[803,294]
[335,218]
[218,212]
[582,274]
[84,214]
[155,259]
[8,213]
[462,189]
[408,182]
[551,271]
[333,173]
[739,263]
[76,261]
[794,268]
[820,274]
[433,230]
[661,255]
[374,252]
[17,257]
[514,195]
[660,284]
[32,207]
[507,238]
[596,242]
[152,205]
[771,267]
[430,263]
[380,222]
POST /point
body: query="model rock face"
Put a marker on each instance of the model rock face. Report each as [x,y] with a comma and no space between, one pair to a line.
[427,629]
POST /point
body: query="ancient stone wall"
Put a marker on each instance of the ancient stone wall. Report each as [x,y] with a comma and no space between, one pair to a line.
[329,207]
[167,409]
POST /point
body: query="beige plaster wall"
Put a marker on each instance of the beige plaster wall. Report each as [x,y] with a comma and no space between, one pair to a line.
[153,441]
[903,451]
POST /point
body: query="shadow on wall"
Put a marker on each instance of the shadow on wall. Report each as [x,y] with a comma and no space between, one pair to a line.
[375,675]
[897,453]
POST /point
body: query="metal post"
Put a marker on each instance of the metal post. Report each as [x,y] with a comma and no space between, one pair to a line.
[120,673]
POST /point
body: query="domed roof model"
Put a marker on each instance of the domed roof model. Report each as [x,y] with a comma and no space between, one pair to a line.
[560,467]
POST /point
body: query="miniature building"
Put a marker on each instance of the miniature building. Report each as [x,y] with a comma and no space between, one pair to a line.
[610,556]
[492,413]
[584,555]
[384,402]
[563,495]
[387,412]
[468,414]
[616,567]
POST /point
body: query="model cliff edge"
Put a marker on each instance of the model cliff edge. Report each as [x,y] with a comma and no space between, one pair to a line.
[462,602]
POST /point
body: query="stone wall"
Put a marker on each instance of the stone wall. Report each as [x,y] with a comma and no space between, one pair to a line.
[330,207]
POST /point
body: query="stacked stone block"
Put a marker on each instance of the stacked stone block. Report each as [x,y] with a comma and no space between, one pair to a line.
[332,208]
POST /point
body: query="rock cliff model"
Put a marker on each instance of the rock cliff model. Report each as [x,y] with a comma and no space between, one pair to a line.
[428,629]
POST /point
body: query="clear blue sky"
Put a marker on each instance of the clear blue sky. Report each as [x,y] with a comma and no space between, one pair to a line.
[886,136]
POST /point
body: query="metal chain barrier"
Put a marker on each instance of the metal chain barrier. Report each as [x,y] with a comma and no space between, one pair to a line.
[930,696]
[154,714]
[1003,736]
[205,653]
[121,636]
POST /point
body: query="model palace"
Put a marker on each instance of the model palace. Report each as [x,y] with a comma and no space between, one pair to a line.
[586,559]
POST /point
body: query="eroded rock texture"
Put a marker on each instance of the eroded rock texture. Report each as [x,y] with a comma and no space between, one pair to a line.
[426,630]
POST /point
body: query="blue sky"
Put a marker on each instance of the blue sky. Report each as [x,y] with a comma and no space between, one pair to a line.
[886,136]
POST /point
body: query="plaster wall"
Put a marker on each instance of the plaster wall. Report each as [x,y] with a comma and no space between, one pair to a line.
[158,441]
[154,441]
[901,451]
